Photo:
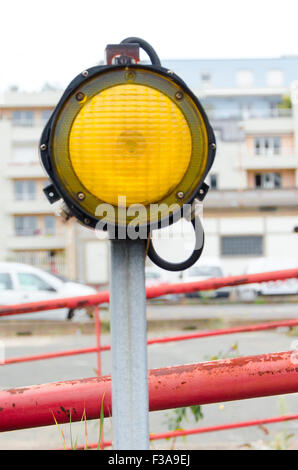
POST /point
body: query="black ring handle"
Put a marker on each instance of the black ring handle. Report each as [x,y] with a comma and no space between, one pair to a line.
[155,60]
[156,259]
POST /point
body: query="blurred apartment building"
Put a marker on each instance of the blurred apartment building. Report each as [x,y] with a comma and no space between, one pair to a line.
[30,230]
[251,210]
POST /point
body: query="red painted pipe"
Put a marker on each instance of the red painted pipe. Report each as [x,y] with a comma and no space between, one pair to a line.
[227,331]
[71,302]
[166,339]
[172,387]
[204,430]
[54,355]
[223,427]
[216,283]
[151,292]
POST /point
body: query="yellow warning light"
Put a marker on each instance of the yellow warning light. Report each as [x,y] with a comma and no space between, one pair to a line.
[127,136]
[130,140]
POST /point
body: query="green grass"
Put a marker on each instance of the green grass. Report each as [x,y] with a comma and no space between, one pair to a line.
[74,442]
[293,331]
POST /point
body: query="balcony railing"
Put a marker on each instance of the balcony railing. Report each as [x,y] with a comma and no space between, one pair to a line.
[242,115]
[25,122]
[28,197]
[273,151]
[25,162]
[27,232]
[251,198]
[266,158]
[280,112]
[29,122]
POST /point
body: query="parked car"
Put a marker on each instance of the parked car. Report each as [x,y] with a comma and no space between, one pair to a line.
[153,277]
[21,283]
[156,277]
[281,287]
[203,271]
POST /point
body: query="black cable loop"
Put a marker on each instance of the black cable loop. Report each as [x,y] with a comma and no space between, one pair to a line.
[155,60]
[200,240]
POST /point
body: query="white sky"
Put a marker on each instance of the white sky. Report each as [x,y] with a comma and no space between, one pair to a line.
[54,40]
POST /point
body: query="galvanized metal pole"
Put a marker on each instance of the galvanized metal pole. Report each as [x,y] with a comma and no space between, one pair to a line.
[129,345]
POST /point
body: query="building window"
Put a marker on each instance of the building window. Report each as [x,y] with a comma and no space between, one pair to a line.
[23,118]
[250,245]
[26,225]
[245,110]
[45,115]
[244,78]
[32,282]
[49,225]
[205,79]
[275,78]
[53,261]
[267,145]
[268,180]
[24,154]
[213,181]
[5,281]
[24,190]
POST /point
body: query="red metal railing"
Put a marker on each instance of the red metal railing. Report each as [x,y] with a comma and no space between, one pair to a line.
[167,339]
[169,388]
[151,292]
[203,430]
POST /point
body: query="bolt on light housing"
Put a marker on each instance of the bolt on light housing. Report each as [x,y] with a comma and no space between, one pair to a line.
[128,136]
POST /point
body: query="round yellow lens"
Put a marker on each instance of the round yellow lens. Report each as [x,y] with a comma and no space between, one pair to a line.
[132,141]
